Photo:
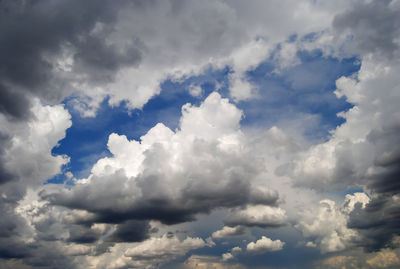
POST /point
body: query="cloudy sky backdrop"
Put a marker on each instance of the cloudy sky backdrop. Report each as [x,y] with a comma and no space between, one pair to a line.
[199,134]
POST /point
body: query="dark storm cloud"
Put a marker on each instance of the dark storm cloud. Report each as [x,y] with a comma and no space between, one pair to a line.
[5,175]
[49,257]
[131,231]
[82,234]
[13,104]
[379,221]
[375,26]
[35,33]
[386,178]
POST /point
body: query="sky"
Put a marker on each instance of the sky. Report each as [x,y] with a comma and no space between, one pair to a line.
[182,134]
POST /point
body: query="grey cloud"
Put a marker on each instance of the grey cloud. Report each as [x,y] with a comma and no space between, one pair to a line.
[35,33]
[82,234]
[5,175]
[379,220]
[131,231]
[375,26]
[169,210]
[13,103]
[257,216]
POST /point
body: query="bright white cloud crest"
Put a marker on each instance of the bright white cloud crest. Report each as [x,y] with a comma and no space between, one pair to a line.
[265,244]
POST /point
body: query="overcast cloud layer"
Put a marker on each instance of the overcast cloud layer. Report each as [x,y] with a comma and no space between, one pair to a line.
[209,134]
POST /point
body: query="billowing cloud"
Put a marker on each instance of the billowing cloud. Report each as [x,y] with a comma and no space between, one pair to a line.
[26,163]
[384,259]
[265,244]
[220,166]
[368,20]
[327,225]
[227,231]
[257,215]
[207,168]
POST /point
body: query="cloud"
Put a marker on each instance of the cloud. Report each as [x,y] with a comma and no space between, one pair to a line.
[340,262]
[65,45]
[170,176]
[374,26]
[120,51]
[231,255]
[130,231]
[26,163]
[384,259]
[159,250]
[205,262]
[363,151]
[327,225]
[227,231]
[265,244]
[227,256]
[93,50]
[257,215]
[359,259]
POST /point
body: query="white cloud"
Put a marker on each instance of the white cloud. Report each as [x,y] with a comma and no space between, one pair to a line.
[195,90]
[28,155]
[326,224]
[207,163]
[187,38]
[265,244]
[199,167]
[258,215]
[227,256]
[227,231]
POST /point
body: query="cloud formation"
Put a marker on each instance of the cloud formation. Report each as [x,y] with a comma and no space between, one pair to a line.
[152,199]
[265,244]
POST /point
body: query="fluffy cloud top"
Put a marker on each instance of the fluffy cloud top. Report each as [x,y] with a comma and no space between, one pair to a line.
[327,225]
[172,176]
[227,231]
[257,215]
[265,244]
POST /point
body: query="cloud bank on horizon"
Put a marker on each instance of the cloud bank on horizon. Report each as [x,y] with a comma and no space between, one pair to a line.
[200,134]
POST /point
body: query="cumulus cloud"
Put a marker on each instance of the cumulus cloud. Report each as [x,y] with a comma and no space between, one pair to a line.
[26,163]
[165,248]
[359,259]
[257,215]
[171,176]
[69,50]
[123,51]
[94,50]
[340,262]
[265,244]
[384,259]
[227,256]
[327,225]
[363,152]
[374,26]
[227,231]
